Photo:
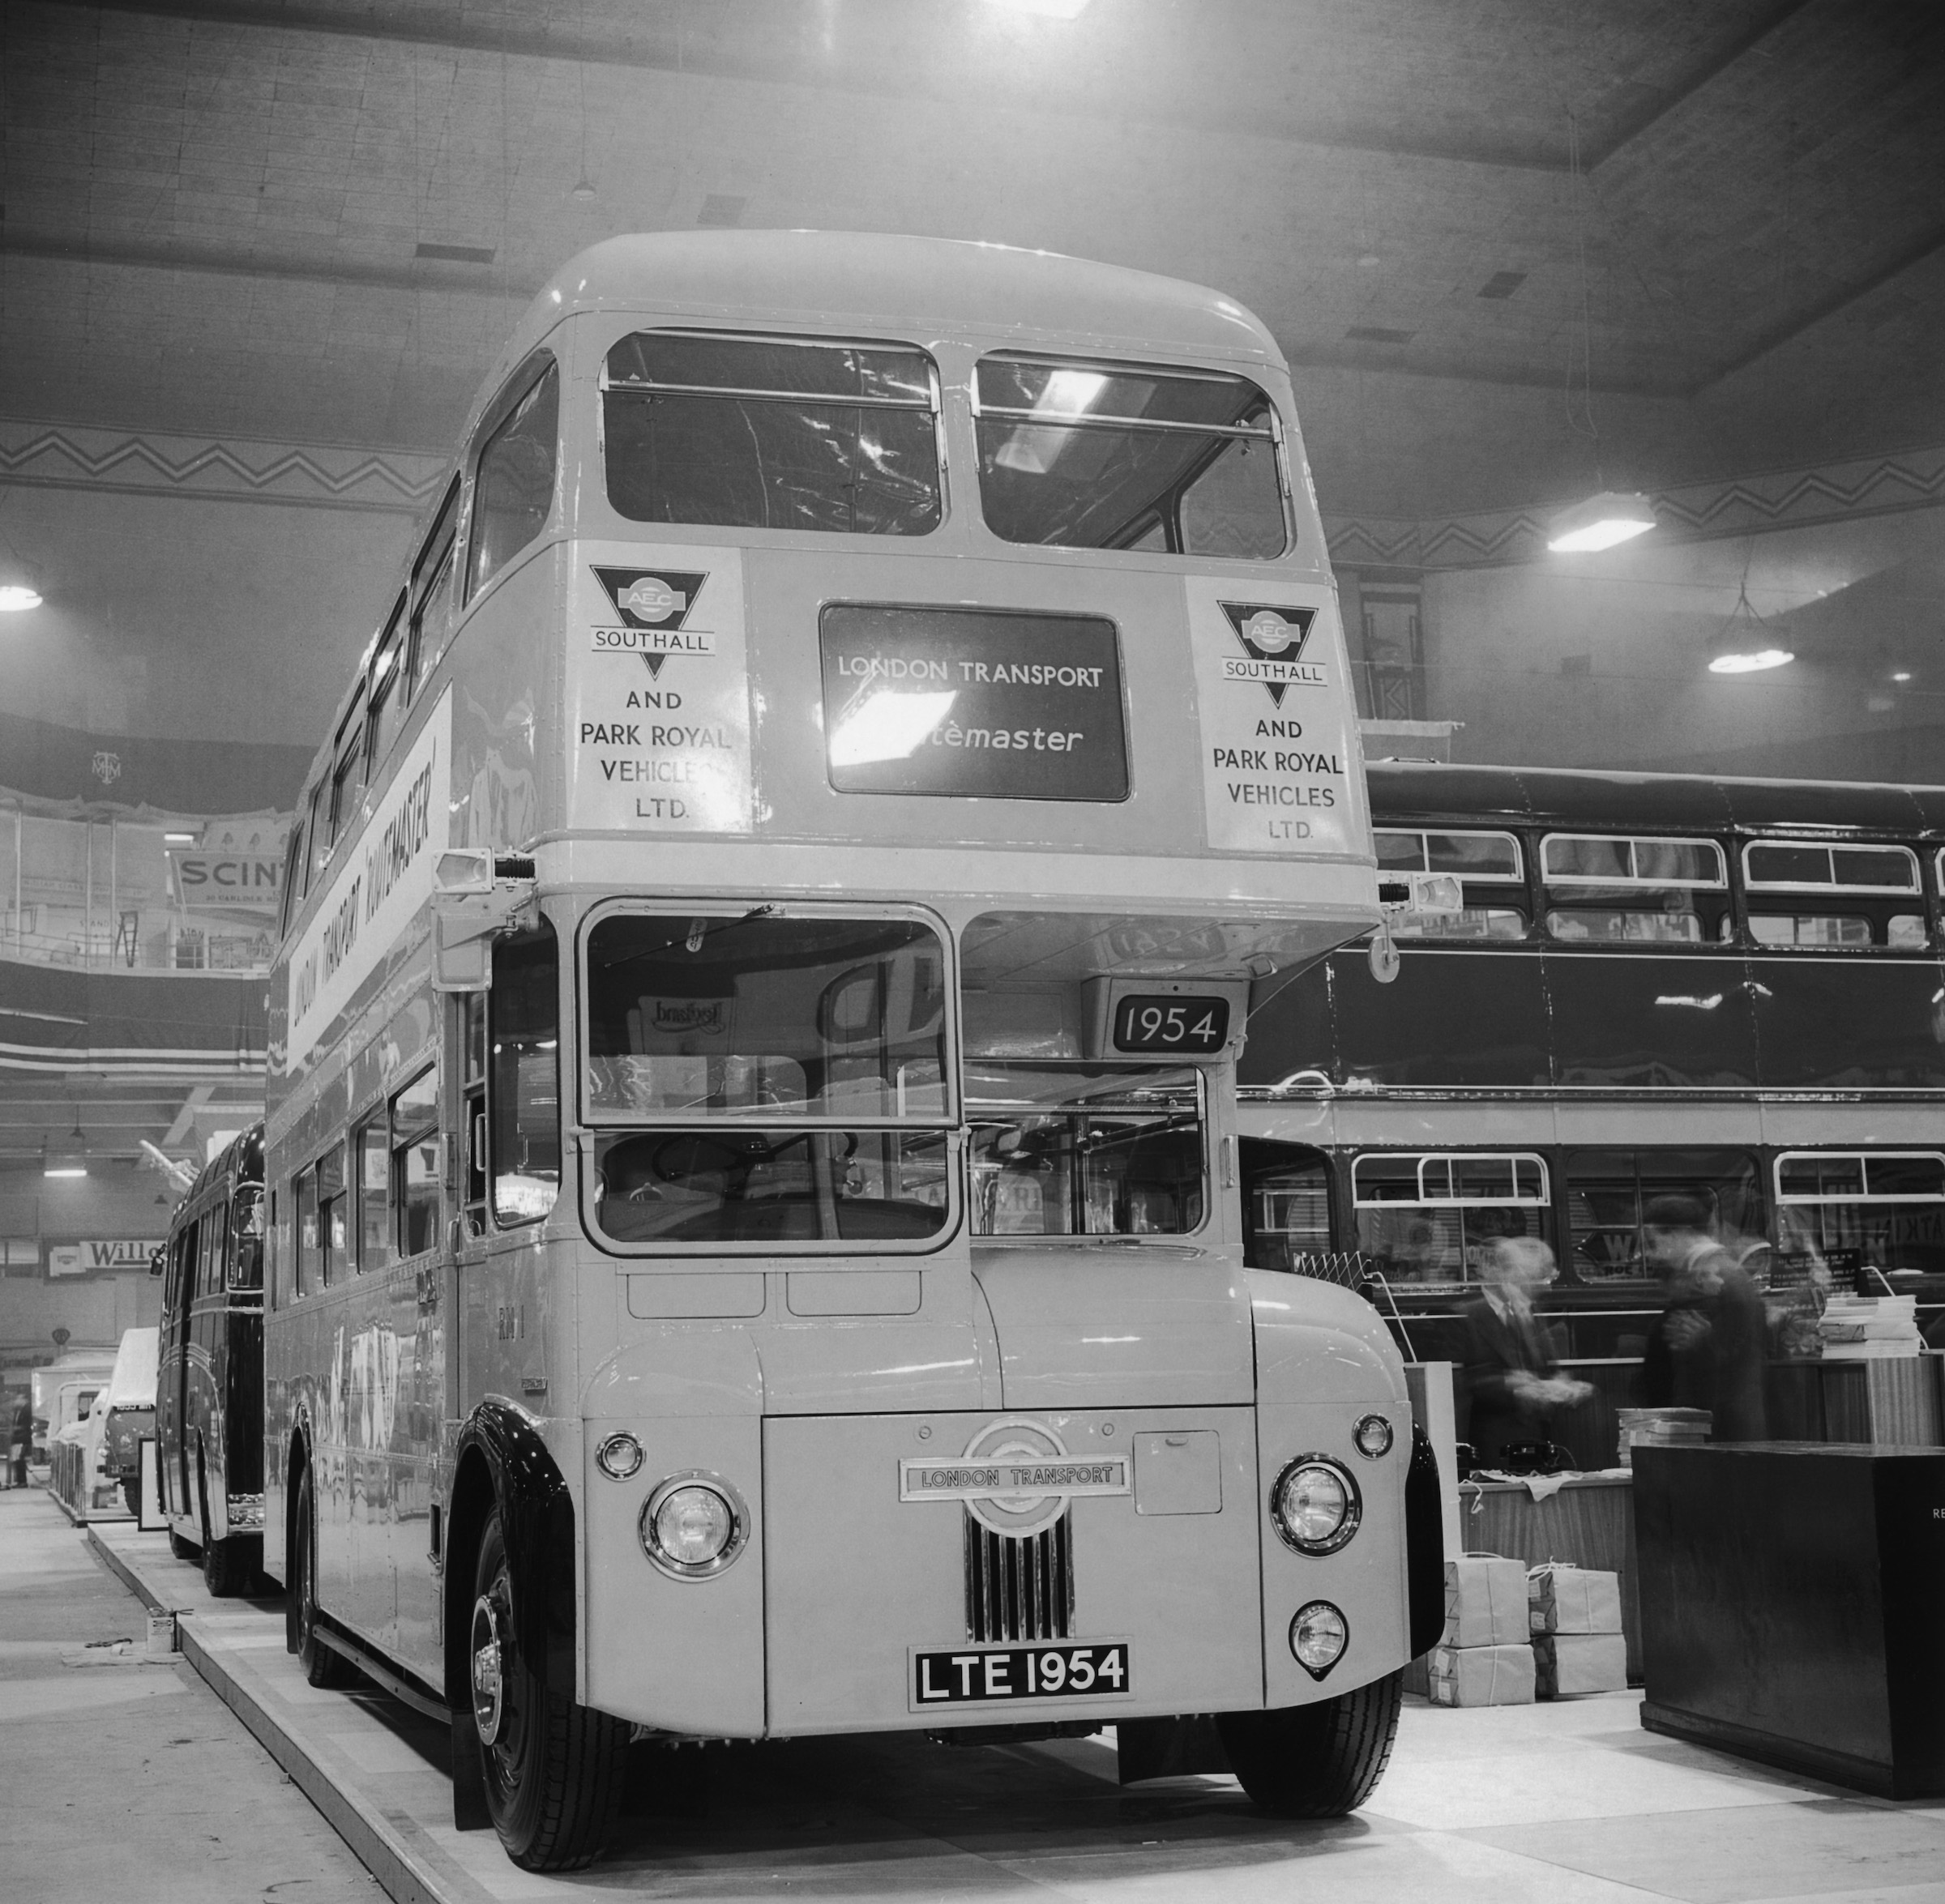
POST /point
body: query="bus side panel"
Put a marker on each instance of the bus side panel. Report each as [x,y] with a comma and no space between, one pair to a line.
[1863,1022]
[1449,1018]
[414,1404]
[1630,1020]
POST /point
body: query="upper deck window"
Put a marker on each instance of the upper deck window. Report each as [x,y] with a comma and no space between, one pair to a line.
[1618,890]
[513,487]
[1489,860]
[1081,454]
[1864,895]
[761,432]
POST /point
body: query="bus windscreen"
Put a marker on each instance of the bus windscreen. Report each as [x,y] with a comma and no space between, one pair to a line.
[768,434]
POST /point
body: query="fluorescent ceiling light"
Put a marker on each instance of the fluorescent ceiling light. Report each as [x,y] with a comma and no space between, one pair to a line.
[1601,522]
[887,725]
[19,588]
[178,839]
[1047,9]
[1752,660]
[64,1167]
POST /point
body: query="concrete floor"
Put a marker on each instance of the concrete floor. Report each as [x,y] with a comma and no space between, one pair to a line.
[1568,1803]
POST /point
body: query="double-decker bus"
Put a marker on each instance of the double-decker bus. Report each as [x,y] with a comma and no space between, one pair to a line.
[209,1376]
[751,1135]
[1729,990]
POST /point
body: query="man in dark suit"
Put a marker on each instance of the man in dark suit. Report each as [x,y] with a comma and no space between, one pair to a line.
[1513,1384]
[1706,1349]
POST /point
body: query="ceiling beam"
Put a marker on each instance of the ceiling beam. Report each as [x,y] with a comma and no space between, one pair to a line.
[186,1118]
[656,46]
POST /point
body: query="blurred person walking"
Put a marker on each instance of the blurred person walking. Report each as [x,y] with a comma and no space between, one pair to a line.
[1706,1348]
[1512,1382]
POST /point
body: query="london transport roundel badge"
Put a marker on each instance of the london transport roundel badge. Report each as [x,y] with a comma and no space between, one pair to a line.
[1016,1438]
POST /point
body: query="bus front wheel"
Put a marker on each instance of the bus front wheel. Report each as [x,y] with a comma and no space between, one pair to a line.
[552,1769]
[1315,1761]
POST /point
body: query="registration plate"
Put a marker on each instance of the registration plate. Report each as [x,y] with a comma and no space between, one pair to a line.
[988,1674]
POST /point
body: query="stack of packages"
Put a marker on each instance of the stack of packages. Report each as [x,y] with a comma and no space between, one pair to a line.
[1485,1657]
[1578,1645]
[1661,1428]
[1865,1328]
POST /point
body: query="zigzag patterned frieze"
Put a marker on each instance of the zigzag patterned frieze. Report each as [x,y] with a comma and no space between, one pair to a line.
[317,477]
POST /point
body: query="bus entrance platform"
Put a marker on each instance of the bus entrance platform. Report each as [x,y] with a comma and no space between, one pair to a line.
[1506,1805]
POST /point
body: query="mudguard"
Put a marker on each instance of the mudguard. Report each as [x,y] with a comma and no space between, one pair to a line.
[538,1513]
[1423,1546]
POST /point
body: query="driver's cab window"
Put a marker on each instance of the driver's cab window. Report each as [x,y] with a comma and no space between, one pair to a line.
[1286,1205]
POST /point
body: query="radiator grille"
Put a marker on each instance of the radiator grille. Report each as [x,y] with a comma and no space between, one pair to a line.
[1019,1589]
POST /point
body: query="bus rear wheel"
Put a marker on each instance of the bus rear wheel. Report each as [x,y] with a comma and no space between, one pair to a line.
[1315,1761]
[553,1771]
[323,1666]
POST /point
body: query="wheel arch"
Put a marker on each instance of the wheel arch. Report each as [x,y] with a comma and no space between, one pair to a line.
[502,1460]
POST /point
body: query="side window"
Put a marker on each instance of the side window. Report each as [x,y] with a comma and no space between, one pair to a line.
[513,486]
[371,1151]
[1619,889]
[1492,876]
[334,1218]
[1608,1191]
[1864,1219]
[415,1164]
[293,874]
[317,831]
[1286,1205]
[248,1232]
[1833,896]
[387,699]
[1428,1218]
[347,784]
[311,1252]
[431,595]
[209,1259]
[221,1259]
[523,1092]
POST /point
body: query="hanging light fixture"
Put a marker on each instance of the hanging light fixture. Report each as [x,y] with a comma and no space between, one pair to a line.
[1746,644]
[19,584]
[70,1159]
[1614,516]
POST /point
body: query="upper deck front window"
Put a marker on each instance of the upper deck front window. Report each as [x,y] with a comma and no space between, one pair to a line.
[762,433]
[1106,456]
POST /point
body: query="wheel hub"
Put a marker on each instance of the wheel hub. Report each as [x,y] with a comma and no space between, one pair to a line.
[488,1693]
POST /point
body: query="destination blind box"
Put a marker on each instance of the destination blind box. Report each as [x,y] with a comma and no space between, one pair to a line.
[1155,1017]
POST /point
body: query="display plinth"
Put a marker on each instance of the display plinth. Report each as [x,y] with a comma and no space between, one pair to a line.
[1792,1606]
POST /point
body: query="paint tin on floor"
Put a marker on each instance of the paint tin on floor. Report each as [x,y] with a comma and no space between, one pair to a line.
[161,1635]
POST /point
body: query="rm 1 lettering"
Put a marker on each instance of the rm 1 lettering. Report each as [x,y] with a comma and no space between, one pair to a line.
[980,1675]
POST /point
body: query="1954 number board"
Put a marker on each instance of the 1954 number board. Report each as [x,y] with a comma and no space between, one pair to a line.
[989,1674]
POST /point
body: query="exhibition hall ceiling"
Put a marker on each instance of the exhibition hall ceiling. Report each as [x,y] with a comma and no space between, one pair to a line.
[315,221]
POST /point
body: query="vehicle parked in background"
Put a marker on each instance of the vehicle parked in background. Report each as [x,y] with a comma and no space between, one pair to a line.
[130,1417]
[209,1387]
[74,1457]
[64,1391]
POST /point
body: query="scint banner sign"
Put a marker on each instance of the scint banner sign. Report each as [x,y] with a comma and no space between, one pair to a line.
[241,880]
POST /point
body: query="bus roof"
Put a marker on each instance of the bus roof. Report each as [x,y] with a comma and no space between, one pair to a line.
[1574,797]
[842,280]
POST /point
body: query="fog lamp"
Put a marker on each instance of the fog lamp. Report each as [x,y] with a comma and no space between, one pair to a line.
[1373,1436]
[619,1457]
[1314,1505]
[694,1525]
[1318,1638]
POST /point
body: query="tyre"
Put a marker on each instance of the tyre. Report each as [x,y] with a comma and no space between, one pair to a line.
[321,1666]
[183,1550]
[1315,1761]
[226,1568]
[131,1494]
[553,1771]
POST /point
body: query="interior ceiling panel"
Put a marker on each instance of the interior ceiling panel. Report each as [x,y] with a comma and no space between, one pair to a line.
[316,220]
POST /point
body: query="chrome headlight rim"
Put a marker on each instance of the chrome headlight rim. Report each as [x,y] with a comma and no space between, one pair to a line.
[1375,1425]
[1306,1610]
[1353,1505]
[692,1571]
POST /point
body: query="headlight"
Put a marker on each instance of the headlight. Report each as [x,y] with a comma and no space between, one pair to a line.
[1314,1505]
[1318,1638]
[1373,1436]
[694,1525]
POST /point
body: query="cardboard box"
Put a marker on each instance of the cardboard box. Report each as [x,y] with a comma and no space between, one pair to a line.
[1486,1601]
[1573,1599]
[1482,1675]
[1566,1664]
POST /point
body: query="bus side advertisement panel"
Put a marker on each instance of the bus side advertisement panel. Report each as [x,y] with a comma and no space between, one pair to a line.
[372,893]
[658,691]
[1279,767]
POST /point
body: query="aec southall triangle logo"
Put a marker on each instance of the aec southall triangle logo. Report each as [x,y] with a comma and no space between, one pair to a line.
[655,601]
[1273,639]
